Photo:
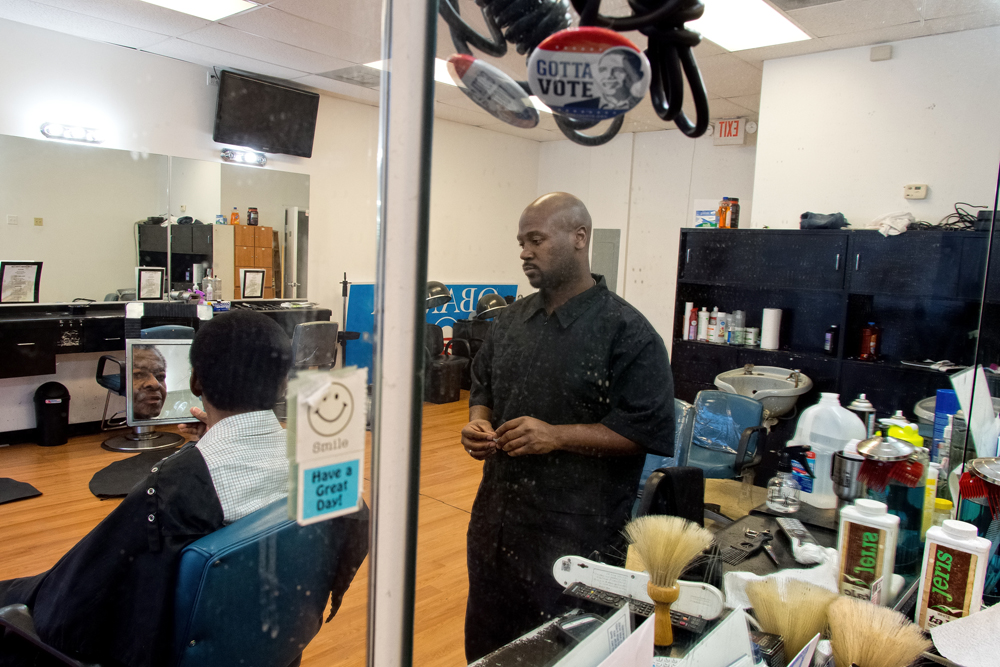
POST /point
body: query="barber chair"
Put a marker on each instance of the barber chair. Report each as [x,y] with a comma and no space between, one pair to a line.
[251,593]
[473,333]
[127,294]
[683,429]
[443,370]
[142,438]
[727,435]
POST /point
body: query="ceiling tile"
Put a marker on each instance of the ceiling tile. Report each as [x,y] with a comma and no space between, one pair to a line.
[708,48]
[728,109]
[362,17]
[140,15]
[728,76]
[839,18]
[464,116]
[204,55]
[535,134]
[72,23]
[260,48]
[340,89]
[290,29]
[749,102]
[911,30]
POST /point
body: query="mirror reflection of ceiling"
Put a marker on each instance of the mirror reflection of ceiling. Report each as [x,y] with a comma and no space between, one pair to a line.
[307,40]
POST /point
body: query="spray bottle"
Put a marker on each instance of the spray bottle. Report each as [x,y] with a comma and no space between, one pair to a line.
[783,488]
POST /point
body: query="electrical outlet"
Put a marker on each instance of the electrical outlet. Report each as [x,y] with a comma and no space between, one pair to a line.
[915,191]
[38,222]
[11,219]
[184,208]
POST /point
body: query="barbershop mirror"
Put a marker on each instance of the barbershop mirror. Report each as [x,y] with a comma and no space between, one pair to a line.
[838,132]
[94,196]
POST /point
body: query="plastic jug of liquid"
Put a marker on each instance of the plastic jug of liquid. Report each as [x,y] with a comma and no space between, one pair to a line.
[825,428]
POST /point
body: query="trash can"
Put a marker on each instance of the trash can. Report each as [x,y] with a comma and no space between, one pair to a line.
[52,414]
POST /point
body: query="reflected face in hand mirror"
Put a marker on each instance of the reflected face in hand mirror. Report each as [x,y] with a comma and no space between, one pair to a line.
[149,382]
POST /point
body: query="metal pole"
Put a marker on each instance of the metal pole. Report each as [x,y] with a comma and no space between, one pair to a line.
[406,117]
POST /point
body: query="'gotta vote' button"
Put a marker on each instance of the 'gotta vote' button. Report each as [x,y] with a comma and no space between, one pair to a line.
[589,73]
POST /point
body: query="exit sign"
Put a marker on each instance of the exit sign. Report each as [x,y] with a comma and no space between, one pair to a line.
[730,132]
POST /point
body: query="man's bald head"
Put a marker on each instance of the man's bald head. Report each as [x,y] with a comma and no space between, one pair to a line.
[554,234]
[562,209]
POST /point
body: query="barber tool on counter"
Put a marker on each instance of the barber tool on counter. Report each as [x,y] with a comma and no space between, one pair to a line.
[666,545]
[867,635]
[795,610]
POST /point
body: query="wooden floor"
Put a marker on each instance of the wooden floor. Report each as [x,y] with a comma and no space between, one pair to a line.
[34,533]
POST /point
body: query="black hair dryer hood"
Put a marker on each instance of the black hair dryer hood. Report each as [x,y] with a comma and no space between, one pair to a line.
[489,306]
[438,294]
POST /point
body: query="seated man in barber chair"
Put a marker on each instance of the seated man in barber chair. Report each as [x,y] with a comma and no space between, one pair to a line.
[110,598]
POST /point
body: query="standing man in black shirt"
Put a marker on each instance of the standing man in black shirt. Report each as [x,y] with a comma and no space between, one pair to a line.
[570,391]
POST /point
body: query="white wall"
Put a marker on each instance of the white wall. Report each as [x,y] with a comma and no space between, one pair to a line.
[841,133]
[151,104]
[646,184]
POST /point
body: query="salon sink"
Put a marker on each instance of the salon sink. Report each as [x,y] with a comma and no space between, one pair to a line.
[776,388]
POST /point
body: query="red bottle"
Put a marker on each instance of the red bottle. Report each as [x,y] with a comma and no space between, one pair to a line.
[870,338]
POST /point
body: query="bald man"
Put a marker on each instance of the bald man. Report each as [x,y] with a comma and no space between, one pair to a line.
[569,392]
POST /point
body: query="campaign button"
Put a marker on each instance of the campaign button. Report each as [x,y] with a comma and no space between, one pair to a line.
[589,73]
[493,90]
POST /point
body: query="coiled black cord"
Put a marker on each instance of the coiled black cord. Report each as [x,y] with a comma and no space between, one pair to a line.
[526,23]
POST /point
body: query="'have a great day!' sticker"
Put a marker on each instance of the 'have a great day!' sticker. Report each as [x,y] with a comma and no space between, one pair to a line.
[589,73]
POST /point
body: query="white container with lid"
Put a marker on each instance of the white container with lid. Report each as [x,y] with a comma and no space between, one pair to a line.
[826,428]
[953,574]
[867,544]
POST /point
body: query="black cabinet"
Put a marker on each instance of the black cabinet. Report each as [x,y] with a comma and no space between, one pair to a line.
[201,239]
[913,263]
[152,238]
[922,288]
[180,239]
[807,260]
[104,334]
[27,350]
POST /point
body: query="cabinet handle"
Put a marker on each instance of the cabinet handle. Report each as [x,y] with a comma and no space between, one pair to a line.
[836,266]
[24,344]
[857,261]
[119,338]
[687,256]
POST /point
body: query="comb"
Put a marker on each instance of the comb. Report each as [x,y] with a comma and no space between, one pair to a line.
[973,486]
[751,543]
[908,473]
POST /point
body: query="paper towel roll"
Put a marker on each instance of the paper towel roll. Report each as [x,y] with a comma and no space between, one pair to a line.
[769,327]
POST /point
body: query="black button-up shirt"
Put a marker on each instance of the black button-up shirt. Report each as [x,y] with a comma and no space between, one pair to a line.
[594,360]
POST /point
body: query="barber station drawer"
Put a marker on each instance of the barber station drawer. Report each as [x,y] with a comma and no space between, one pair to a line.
[104,335]
[27,350]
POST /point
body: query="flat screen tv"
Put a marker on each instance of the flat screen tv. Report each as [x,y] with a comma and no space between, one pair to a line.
[265,116]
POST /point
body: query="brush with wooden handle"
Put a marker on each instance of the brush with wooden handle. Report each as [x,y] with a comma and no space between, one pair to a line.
[666,545]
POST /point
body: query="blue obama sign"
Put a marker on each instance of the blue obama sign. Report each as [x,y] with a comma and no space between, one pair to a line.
[361,315]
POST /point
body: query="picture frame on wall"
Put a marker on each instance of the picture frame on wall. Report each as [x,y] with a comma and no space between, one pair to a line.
[149,283]
[252,283]
[20,281]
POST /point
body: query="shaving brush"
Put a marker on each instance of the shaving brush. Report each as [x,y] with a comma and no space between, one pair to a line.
[794,609]
[666,545]
[869,635]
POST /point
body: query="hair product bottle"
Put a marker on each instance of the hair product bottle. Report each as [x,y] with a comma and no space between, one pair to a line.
[953,573]
[867,544]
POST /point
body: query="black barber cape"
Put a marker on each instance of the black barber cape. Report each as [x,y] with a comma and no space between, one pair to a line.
[110,599]
[595,359]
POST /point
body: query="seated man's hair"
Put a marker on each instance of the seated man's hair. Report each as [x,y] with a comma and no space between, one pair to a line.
[241,358]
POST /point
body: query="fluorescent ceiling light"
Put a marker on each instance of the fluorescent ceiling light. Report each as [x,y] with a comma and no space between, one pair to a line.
[736,25]
[210,10]
[441,74]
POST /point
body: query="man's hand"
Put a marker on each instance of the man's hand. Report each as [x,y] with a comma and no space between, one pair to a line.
[477,438]
[195,431]
[527,435]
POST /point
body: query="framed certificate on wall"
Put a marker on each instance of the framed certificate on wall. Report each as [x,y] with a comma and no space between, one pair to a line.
[252,283]
[20,281]
[149,283]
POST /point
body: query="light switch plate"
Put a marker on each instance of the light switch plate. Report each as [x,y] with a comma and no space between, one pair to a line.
[915,191]
[11,219]
[38,222]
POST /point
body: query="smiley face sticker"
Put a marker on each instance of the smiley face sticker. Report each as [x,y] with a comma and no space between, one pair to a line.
[332,413]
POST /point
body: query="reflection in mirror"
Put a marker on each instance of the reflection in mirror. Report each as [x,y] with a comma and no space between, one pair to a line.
[58,191]
[160,383]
